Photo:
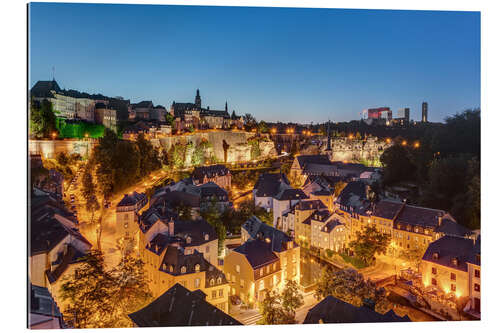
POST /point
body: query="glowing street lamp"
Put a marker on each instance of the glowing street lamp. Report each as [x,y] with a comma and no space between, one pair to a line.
[54,134]
[417,144]
[388,140]
[404,143]
[273,130]
[351,136]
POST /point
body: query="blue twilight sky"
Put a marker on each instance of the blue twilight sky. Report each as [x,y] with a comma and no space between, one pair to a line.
[286,64]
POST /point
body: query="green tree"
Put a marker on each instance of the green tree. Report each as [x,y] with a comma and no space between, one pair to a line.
[368,243]
[213,216]
[89,293]
[413,256]
[99,298]
[291,298]
[350,286]
[397,164]
[272,311]
[148,156]
[262,127]
[42,119]
[130,291]
[89,193]
[169,119]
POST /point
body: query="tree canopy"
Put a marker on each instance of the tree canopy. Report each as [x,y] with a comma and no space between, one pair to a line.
[350,286]
[368,243]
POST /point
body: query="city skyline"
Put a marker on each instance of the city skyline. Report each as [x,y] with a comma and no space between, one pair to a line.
[332,66]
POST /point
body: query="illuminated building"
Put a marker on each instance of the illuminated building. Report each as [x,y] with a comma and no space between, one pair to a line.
[453,265]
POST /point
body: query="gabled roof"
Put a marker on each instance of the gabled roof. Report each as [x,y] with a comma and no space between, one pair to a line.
[71,256]
[269,184]
[387,209]
[210,171]
[259,230]
[43,88]
[131,199]
[332,310]
[312,204]
[180,307]
[314,159]
[448,248]
[290,194]
[353,194]
[257,252]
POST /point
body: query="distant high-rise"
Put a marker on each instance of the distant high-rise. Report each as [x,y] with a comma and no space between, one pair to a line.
[424,112]
[404,113]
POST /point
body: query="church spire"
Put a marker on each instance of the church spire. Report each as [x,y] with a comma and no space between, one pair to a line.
[328,138]
[197,99]
[226,106]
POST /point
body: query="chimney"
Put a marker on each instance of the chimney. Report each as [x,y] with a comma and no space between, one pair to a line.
[171,227]
[440,218]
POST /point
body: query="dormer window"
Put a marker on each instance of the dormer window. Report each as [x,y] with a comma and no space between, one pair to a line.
[435,256]
[212,282]
[164,267]
[197,268]
[454,261]
[171,268]
[188,240]
[206,237]
[219,280]
[183,269]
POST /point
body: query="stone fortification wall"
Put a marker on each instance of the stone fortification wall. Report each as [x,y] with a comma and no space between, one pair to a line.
[345,149]
[50,148]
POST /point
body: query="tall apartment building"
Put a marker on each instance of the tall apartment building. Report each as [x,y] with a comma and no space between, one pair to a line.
[424,112]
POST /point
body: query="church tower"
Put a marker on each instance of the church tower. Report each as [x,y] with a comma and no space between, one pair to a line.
[197,99]
[328,138]
[226,106]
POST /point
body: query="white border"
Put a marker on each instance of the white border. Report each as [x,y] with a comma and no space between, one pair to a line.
[13,163]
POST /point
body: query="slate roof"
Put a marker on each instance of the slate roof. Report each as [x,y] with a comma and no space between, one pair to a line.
[414,215]
[210,171]
[331,225]
[320,169]
[175,259]
[332,310]
[314,159]
[180,307]
[269,184]
[450,247]
[42,303]
[290,194]
[43,88]
[257,252]
[387,209]
[353,194]
[132,199]
[259,230]
[45,234]
[310,204]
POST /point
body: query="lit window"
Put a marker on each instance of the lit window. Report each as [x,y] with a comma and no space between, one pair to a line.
[453,287]
[183,269]
[237,268]
[197,267]
[477,287]
[212,282]
[197,283]
[453,276]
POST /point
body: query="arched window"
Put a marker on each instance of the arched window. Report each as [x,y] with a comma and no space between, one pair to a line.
[183,269]
[212,282]
[206,236]
[171,268]
[197,267]
[164,267]
[219,280]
